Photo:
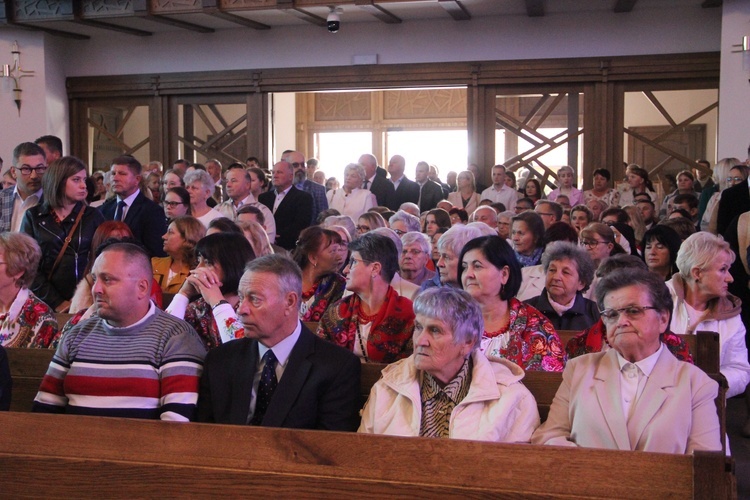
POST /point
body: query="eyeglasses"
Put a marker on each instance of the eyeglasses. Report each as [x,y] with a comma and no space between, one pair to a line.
[591,243]
[399,232]
[362,229]
[27,169]
[172,204]
[548,214]
[414,252]
[353,262]
[611,316]
[735,179]
[298,165]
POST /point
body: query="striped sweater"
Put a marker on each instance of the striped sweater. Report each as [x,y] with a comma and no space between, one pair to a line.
[149,370]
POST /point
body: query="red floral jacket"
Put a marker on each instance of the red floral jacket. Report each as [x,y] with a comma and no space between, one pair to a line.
[530,340]
[595,338]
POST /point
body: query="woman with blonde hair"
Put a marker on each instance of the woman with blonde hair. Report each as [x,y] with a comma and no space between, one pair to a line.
[351,199]
[367,222]
[25,321]
[183,233]
[636,222]
[257,236]
[702,302]
[566,186]
[466,195]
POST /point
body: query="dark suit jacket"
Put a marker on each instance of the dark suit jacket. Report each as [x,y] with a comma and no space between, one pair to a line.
[145,218]
[293,215]
[734,201]
[408,191]
[319,388]
[384,192]
[432,193]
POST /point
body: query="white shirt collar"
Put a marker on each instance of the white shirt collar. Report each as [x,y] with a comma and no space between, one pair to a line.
[283,349]
[646,364]
[38,194]
[130,199]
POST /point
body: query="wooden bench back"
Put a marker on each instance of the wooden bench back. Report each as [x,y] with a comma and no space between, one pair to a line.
[140,458]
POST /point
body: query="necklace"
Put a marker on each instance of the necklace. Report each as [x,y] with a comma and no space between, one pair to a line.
[361,344]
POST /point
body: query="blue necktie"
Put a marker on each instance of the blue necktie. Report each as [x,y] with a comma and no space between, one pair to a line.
[266,387]
[120,210]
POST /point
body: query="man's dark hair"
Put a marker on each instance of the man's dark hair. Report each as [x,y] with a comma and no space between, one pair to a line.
[688,198]
[53,143]
[26,149]
[130,162]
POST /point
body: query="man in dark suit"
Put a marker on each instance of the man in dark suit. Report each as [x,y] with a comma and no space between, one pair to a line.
[378,183]
[430,193]
[407,191]
[435,177]
[734,201]
[292,208]
[144,217]
[317,191]
[280,374]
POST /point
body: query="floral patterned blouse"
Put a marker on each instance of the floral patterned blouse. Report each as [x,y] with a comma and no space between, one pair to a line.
[324,292]
[214,326]
[594,339]
[530,340]
[29,323]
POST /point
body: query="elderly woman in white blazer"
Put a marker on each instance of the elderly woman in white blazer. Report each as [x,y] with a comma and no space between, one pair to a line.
[636,395]
[351,199]
[448,388]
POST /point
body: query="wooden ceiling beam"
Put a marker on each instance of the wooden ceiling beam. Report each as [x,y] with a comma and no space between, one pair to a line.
[377,11]
[623,6]
[242,21]
[535,8]
[711,4]
[456,9]
[289,7]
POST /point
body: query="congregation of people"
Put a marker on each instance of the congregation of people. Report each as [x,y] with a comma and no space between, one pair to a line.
[242,295]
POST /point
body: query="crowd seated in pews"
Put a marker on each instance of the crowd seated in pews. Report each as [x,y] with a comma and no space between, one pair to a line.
[438,364]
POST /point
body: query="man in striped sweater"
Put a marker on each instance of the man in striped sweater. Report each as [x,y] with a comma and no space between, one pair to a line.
[131,359]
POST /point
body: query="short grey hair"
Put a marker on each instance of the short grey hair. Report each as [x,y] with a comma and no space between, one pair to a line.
[412,222]
[200,176]
[661,299]
[559,250]
[457,236]
[456,309]
[287,272]
[341,220]
[386,231]
[418,238]
[356,167]
[410,206]
[485,208]
[482,228]
[699,250]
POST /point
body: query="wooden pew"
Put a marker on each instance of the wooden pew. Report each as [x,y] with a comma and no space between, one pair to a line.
[27,368]
[120,458]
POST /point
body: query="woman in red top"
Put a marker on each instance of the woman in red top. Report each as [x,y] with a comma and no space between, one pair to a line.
[374,322]
[490,273]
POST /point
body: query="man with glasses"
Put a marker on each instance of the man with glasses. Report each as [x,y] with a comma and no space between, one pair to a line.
[549,211]
[29,164]
[415,253]
[301,182]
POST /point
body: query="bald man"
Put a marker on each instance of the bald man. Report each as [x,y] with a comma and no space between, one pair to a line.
[130,359]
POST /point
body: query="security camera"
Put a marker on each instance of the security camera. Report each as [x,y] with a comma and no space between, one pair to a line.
[334,21]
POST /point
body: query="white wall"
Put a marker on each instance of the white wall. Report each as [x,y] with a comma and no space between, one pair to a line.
[643,31]
[284,125]
[734,89]
[32,122]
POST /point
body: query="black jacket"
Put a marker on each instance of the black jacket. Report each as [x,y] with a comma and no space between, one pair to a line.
[39,223]
[581,316]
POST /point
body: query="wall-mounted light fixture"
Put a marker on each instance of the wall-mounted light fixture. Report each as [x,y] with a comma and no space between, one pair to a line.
[12,74]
